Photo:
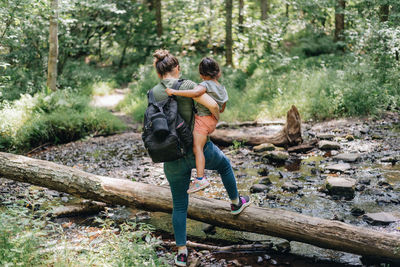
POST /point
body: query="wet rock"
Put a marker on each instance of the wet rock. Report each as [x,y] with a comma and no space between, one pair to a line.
[290,187]
[276,156]
[380,218]
[264,147]
[325,136]
[366,181]
[390,159]
[328,145]
[283,175]
[339,167]
[356,211]
[258,188]
[341,186]
[303,148]
[265,181]
[347,157]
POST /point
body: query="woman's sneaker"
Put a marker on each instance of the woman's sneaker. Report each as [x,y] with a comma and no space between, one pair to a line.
[181,259]
[197,185]
[243,203]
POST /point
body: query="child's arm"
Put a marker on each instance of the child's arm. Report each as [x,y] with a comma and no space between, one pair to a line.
[223,108]
[209,103]
[195,92]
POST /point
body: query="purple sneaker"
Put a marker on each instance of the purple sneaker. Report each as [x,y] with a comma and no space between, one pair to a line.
[243,203]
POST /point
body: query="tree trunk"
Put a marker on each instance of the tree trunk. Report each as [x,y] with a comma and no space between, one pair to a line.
[228,33]
[339,19]
[53,47]
[158,18]
[384,13]
[241,18]
[287,10]
[275,222]
[289,135]
[264,9]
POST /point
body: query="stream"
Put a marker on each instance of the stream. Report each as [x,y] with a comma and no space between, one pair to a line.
[295,182]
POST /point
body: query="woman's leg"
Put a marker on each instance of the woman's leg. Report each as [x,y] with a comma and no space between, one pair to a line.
[178,175]
[199,140]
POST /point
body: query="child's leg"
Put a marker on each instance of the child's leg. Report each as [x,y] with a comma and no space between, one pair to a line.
[199,140]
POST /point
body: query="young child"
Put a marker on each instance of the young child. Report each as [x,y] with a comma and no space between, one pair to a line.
[206,119]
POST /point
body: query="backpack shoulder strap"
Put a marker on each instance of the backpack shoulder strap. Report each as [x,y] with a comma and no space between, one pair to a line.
[150,97]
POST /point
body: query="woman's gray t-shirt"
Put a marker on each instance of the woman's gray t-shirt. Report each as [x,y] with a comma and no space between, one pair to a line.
[217,92]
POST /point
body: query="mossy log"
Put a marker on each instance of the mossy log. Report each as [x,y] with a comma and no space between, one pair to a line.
[275,222]
[289,135]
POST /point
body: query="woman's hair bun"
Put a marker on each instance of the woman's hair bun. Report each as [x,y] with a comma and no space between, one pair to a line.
[160,54]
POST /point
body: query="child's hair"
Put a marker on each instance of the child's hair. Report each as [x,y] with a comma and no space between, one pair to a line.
[209,67]
[164,62]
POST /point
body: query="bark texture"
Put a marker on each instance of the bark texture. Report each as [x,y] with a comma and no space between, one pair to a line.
[290,134]
[53,47]
[241,16]
[264,9]
[158,18]
[339,19]
[228,33]
[274,222]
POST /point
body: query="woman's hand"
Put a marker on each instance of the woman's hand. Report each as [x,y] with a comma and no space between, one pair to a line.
[170,91]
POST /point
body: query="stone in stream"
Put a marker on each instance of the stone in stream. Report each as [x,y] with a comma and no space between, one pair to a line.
[258,188]
[356,211]
[341,186]
[380,218]
[303,148]
[390,159]
[328,145]
[339,167]
[287,186]
[264,147]
[349,137]
[276,156]
[265,181]
[325,136]
[347,157]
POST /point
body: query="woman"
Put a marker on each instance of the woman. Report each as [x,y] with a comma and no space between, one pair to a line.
[178,172]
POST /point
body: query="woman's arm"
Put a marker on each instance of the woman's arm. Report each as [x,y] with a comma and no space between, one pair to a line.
[195,92]
[209,103]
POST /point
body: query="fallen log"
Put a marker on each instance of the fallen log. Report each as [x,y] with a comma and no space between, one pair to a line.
[275,222]
[289,135]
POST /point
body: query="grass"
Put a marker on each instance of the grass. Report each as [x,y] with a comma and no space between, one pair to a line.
[56,117]
[322,87]
[29,238]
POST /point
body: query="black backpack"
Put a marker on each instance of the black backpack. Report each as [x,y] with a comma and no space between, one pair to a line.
[166,135]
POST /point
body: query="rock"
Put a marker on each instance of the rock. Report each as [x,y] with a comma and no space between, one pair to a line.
[341,186]
[347,157]
[364,130]
[325,136]
[380,218]
[349,137]
[283,246]
[263,172]
[260,259]
[86,208]
[390,159]
[264,147]
[265,181]
[276,156]
[283,175]
[334,153]
[356,211]
[303,148]
[376,137]
[267,257]
[258,188]
[290,187]
[328,145]
[360,187]
[366,181]
[339,167]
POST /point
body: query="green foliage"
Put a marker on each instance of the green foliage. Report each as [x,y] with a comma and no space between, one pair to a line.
[57,117]
[27,238]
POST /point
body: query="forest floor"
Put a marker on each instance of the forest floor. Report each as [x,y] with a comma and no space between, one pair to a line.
[295,183]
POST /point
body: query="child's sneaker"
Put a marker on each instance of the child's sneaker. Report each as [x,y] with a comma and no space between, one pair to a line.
[243,203]
[181,259]
[197,185]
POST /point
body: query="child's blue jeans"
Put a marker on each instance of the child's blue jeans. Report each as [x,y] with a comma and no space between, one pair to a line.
[178,174]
